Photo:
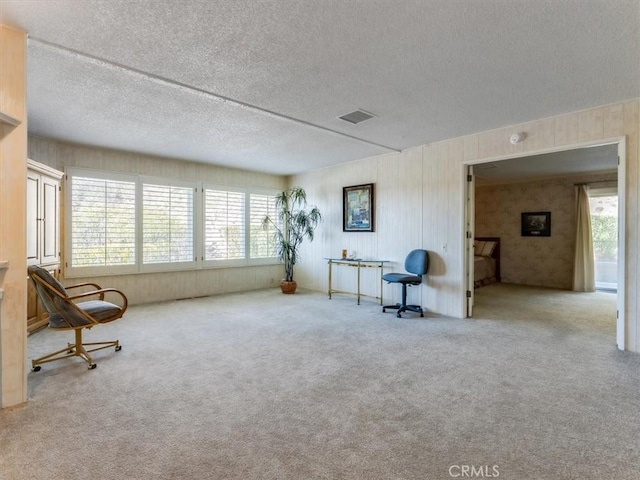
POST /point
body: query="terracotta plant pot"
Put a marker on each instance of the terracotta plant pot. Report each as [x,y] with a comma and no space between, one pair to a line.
[288,287]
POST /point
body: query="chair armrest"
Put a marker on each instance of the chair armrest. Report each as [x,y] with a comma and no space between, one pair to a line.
[101,293]
[96,288]
[94,285]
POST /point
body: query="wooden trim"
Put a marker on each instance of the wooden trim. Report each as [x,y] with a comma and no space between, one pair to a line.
[9,120]
[44,169]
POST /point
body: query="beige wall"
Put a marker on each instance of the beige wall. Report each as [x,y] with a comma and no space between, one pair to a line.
[539,261]
[420,203]
[152,287]
[13,179]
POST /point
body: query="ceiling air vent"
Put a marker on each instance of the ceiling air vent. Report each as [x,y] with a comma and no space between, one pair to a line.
[356,117]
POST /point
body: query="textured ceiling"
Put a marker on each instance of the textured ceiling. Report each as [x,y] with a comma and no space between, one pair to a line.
[598,159]
[260,84]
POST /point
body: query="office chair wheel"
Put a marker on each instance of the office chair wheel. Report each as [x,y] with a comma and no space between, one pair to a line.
[398,315]
[383,310]
[118,348]
[37,368]
[92,366]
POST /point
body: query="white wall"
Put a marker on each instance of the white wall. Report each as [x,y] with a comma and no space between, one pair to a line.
[420,204]
[152,287]
[396,181]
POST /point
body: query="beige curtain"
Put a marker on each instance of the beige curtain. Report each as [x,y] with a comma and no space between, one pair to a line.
[583,268]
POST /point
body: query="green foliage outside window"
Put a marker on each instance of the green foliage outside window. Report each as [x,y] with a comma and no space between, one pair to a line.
[604,229]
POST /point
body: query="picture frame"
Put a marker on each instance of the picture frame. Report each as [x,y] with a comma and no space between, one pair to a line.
[536,224]
[358,208]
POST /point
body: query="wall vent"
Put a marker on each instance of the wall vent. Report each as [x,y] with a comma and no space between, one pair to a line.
[356,117]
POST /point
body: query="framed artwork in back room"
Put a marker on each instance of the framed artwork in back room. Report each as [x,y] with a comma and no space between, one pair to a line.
[536,224]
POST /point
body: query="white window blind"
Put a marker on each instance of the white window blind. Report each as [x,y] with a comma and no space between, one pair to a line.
[103,222]
[120,223]
[167,224]
[262,240]
[224,229]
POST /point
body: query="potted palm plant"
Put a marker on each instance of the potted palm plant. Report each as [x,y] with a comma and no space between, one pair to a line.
[292,224]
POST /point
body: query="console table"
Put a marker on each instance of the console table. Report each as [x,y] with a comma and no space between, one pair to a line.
[358,264]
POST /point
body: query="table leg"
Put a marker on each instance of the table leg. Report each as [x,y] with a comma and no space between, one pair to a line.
[358,283]
[381,282]
[329,262]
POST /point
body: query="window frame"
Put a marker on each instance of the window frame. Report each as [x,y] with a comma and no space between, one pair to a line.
[259,260]
[90,271]
[165,266]
[239,262]
[199,219]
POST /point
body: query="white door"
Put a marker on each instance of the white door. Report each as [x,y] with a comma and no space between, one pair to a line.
[33,218]
[469,234]
[50,216]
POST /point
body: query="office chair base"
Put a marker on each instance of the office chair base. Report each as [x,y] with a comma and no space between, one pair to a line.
[404,308]
[76,349]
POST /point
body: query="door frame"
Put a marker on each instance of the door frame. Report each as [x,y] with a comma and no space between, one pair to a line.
[469,222]
[621,326]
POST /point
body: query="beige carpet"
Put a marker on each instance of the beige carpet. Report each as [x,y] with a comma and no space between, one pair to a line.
[264,386]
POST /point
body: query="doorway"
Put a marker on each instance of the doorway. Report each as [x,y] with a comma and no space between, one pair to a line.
[533,165]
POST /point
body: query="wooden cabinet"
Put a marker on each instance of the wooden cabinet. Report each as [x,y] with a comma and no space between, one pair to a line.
[43,231]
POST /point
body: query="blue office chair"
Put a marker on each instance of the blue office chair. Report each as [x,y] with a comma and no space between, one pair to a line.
[417,262]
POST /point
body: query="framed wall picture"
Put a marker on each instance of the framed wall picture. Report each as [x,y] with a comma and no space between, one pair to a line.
[536,224]
[357,208]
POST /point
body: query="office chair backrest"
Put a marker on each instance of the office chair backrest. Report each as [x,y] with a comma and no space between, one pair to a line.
[417,262]
[46,283]
[54,298]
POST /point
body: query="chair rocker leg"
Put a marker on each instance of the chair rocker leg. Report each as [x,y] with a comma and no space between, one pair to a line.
[76,349]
